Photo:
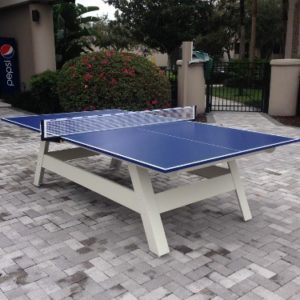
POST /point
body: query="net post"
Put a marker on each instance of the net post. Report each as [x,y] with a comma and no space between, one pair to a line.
[42,133]
[42,129]
[195,112]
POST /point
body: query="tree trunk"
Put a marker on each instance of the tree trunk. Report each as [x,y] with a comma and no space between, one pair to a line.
[242,32]
[253,31]
[285,4]
[173,57]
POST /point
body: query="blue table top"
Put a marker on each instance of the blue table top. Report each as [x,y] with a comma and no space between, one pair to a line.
[166,147]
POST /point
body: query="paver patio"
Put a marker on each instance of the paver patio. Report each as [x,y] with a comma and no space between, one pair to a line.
[61,241]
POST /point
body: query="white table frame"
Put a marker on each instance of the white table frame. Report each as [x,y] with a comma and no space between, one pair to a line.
[142,198]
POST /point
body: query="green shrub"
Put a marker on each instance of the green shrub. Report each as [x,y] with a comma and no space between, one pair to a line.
[41,98]
[112,79]
[44,92]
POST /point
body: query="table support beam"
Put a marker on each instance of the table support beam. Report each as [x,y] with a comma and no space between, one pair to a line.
[112,190]
[193,192]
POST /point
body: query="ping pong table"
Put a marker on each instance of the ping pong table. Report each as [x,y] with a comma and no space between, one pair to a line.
[165,141]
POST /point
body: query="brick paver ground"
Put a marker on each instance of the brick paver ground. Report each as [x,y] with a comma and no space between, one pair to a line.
[61,241]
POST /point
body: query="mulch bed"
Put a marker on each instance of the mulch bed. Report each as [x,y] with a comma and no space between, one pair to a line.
[289,121]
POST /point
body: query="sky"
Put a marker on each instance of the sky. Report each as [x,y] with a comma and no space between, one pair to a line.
[104,9]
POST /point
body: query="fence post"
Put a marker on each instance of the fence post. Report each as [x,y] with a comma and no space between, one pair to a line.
[191,82]
[284,87]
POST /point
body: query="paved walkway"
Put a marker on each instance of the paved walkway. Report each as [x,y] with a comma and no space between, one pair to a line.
[61,241]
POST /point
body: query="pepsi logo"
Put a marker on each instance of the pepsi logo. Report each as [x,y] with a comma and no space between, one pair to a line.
[7,51]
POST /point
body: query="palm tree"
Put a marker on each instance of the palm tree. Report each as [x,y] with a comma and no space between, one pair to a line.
[72,30]
[253,31]
[285,4]
[242,29]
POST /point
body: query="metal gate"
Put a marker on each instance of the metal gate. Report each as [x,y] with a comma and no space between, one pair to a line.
[238,86]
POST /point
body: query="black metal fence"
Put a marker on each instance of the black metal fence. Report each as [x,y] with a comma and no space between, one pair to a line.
[238,86]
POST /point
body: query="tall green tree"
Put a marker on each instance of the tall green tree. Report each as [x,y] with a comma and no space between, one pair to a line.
[270,28]
[112,34]
[72,30]
[223,29]
[252,46]
[242,49]
[284,11]
[163,24]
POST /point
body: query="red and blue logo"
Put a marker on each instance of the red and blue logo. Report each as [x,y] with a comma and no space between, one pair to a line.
[7,51]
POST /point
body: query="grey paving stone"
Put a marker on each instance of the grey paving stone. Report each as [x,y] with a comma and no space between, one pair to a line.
[62,241]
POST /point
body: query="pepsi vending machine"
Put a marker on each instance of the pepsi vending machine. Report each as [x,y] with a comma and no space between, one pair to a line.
[9,69]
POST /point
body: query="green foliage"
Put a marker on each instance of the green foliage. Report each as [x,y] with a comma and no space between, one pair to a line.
[112,79]
[44,92]
[163,24]
[223,29]
[270,27]
[72,30]
[240,72]
[42,98]
[112,35]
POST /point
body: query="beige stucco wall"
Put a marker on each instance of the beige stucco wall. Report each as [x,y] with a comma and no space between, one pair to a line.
[43,44]
[35,40]
[284,86]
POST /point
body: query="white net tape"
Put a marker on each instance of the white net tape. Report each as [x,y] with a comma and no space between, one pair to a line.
[67,126]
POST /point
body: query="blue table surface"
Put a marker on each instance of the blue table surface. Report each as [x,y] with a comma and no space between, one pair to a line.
[174,146]
[170,146]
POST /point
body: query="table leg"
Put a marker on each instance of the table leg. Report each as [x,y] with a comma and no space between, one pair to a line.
[151,219]
[242,199]
[39,171]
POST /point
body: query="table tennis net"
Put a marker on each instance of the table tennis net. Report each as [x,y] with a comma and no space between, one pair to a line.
[55,128]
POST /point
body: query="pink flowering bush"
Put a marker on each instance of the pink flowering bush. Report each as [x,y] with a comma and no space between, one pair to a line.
[112,79]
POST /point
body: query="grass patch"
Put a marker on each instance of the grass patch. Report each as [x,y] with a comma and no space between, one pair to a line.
[246,96]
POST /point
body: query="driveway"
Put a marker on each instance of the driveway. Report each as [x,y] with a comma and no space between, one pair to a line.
[61,241]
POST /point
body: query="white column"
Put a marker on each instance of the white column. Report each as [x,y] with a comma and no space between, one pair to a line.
[284,87]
